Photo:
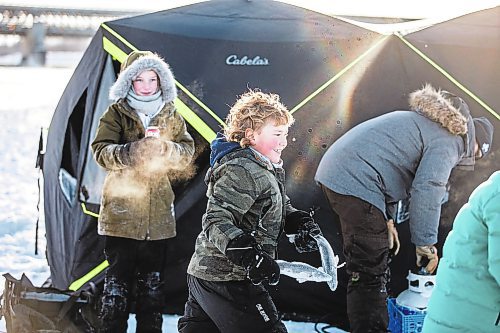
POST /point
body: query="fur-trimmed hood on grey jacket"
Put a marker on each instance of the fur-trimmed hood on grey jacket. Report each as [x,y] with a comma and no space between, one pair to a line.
[404,154]
[136,63]
[451,112]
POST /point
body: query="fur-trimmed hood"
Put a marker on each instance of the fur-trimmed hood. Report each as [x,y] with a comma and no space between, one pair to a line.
[439,106]
[147,61]
[451,112]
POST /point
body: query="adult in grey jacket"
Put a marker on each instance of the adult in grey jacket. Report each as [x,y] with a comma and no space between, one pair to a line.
[392,157]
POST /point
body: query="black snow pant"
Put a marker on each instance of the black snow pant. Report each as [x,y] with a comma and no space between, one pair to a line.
[366,249]
[132,261]
[229,307]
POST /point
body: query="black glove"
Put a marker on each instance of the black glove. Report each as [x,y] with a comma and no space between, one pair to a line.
[302,225]
[263,267]
[135,152]
[244,251]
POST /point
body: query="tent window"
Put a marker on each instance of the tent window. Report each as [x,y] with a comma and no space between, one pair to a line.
[71,150]
[68,185]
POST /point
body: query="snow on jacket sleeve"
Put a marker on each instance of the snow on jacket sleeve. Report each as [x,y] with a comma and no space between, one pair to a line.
[106,145]
[119,125]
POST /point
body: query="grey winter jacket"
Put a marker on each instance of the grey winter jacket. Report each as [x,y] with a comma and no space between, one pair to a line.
[403,154]
[245,194]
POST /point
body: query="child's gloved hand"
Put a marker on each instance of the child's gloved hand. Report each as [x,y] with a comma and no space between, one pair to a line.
[127,153]
[262,267]
[302,225]
[244,251]
[135,152]
[149,147]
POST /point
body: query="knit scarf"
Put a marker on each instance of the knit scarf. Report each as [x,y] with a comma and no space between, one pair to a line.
[147,105]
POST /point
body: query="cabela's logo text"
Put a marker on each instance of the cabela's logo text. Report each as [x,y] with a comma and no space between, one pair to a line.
[246,61]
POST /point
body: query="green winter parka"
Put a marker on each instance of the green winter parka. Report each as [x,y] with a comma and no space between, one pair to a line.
[138,202]
[466,297]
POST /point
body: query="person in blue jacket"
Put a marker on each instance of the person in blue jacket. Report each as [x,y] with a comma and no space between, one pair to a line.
[466,297]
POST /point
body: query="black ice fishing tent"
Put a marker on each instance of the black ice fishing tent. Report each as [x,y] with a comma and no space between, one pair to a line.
[330,73]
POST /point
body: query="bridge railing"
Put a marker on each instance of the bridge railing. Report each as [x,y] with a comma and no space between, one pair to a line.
[34,24]
[56,21]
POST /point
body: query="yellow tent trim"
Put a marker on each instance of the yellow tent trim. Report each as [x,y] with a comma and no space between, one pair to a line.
[120,38]
[88,212]
[337,76]
[87,277]
[200,103]
[113,50]
[194,120]
[449,77]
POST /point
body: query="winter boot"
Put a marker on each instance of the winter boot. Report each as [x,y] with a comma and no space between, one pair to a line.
[149,303]
[113,314]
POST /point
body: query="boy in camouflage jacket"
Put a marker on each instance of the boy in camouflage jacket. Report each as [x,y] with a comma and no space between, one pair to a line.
[246,213]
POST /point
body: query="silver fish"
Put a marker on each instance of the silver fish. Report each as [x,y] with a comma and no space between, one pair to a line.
[302,272]
[329,261]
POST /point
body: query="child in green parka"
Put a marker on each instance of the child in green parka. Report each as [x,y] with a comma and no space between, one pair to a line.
[137,207]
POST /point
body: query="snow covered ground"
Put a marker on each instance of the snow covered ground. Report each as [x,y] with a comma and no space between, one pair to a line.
[29,96]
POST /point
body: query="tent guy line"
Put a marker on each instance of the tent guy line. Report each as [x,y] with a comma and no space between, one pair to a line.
[338,75]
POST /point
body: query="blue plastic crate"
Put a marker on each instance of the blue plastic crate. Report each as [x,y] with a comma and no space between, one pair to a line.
[403,319]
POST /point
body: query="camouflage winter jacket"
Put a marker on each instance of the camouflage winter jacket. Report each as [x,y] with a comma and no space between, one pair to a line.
[245,194]
[138,202]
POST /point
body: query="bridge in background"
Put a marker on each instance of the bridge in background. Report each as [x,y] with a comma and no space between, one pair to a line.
[33,25]
[32,28]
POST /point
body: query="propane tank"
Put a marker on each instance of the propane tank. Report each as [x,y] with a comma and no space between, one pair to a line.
[420,286]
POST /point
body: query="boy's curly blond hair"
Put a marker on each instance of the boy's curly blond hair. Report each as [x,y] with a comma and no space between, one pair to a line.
[252,110]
